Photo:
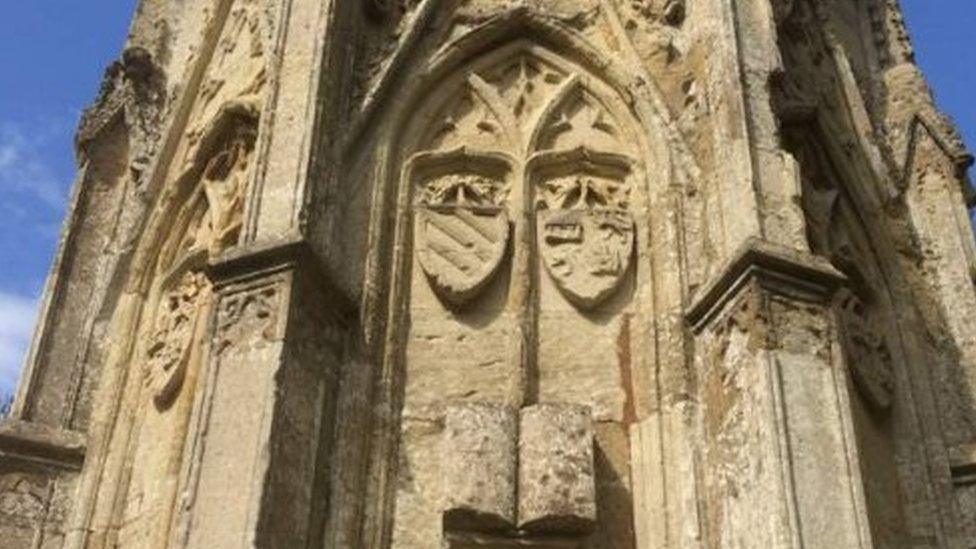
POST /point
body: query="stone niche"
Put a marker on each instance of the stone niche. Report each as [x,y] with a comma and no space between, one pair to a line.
[516,239]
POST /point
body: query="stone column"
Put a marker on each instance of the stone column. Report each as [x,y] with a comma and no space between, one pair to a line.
[780,463]
[259,456]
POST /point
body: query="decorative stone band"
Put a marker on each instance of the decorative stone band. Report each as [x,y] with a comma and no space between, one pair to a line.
[517,478]
[801,276]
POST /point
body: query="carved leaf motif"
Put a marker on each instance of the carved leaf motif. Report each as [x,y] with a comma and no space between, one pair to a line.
[248,317]
[20,497]
[582,192]
[464,190]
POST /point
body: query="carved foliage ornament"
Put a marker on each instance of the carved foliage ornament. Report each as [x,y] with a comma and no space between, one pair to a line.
[523,111]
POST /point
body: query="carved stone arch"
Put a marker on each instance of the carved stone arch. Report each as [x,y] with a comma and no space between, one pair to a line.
[522,101]
[234,121]
[454,200]
[667,158]
[525,27]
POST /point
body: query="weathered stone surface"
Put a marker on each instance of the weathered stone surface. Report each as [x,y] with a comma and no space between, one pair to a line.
[480,467]
[504,273]
[557,492]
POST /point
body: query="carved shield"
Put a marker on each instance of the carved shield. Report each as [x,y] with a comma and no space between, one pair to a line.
[586,252]
[461,248]
[172,339]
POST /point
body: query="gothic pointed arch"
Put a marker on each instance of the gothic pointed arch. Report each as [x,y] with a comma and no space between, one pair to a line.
[521,185]
[162,344]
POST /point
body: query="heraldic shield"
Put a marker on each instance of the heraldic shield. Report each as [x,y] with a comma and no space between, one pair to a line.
[586,252]
[461,248]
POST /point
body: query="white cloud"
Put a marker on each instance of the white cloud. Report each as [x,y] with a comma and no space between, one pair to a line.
[25,170]
[16,323]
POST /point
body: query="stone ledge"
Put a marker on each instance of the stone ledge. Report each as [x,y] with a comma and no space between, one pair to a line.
[466,540]
[32,442]
[798,275]
[268,257]
[962,463]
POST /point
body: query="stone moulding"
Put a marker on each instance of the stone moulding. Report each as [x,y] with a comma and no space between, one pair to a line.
[801,276]
[261,258]
[31,442]
[962,462]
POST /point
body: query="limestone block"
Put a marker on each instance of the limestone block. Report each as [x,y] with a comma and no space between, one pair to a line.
[480,467]
[557,493]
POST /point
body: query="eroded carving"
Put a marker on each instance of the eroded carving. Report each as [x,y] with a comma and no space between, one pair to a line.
[833,232]
[671,12]
[585,231]
[867,353]
[237,74]
[224,180]
[580,183]
[179,314]
[211,224]
[580,121]
[461,222]
[468,121]
[22,497]
[524,475]
[247,317]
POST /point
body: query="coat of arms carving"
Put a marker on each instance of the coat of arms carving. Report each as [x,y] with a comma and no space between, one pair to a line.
[867,353]
[462,225]
[177,318]
[585,230]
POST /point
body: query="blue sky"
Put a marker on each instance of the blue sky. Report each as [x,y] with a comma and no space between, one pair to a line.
[52,54]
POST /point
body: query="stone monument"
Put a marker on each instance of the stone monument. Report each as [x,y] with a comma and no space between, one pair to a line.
[487,274]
